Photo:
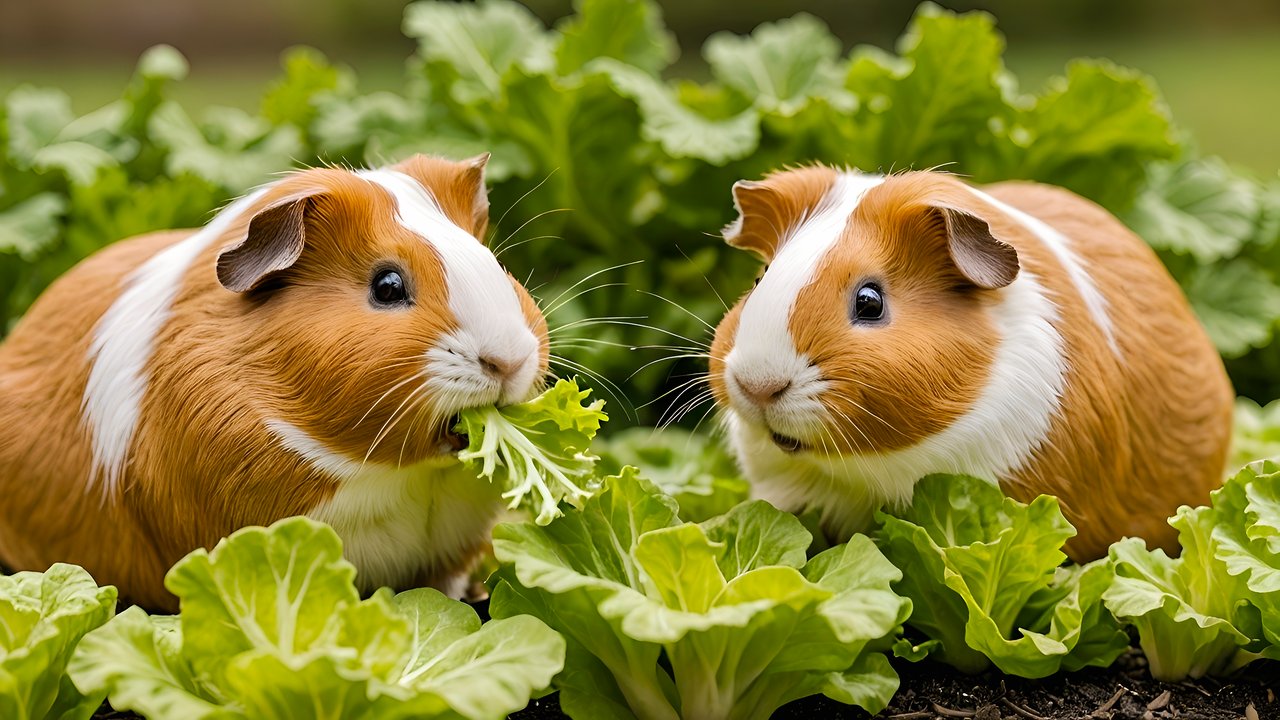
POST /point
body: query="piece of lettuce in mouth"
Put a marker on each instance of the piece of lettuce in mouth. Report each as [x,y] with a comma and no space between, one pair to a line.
[719,620]
[983,573]
[538,451]
[272,628]
[1216,607]
[42,618]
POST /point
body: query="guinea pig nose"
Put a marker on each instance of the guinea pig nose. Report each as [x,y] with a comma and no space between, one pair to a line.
[494,366]
[763,391]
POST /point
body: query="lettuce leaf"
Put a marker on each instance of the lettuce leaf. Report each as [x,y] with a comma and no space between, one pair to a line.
[696,470]
[982,572]
[1212,609]
[538,451]
[42,618]
[744,623]
[272,627]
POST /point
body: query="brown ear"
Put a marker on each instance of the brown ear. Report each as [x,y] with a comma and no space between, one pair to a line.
[273,242]
[458,187]
[770,209]
[761,221]
[984,260]
[474,187]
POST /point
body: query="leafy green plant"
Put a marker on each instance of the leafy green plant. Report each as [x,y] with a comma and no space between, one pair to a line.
[272,627]
[540,447]
[42,618]
[984,576]
[724,619]
[1216,607]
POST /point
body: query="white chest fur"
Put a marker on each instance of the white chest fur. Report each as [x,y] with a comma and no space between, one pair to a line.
[400,525]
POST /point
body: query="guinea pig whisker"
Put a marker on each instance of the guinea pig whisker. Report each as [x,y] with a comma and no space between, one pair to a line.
[416,411]
[518,243]
[614,391]
[591,321]
[864,409]
[587,278]
[420,375]
[696,380]
[670,358]
[705,279]
[395,417]
[579,294]
[679,413]
[680,307]
[525,224]
[520,199]
[664,331]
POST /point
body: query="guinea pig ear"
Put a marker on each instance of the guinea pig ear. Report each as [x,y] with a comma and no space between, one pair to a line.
[760,221]
[273,242]
[474,187]
[983,259]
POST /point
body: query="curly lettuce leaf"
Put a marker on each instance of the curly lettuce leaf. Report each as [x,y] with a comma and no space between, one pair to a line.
[272,627]
[982,572]
[43,616]
[538,451]
[745,624]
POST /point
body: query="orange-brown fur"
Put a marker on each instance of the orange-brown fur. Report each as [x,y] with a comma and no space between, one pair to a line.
[1136,435]
[306,348]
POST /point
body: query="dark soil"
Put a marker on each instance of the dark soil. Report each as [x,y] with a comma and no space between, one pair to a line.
[931,691]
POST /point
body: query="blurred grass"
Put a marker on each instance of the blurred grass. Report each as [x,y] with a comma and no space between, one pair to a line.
[1221,88]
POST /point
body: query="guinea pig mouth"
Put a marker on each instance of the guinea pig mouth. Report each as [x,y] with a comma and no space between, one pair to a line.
[786,444]
[455,440]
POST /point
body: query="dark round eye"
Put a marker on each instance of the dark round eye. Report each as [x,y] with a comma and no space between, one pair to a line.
[388,288]
[868,303]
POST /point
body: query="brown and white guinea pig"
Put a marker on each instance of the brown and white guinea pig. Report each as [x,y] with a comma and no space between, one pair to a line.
[913,324]
[302,354]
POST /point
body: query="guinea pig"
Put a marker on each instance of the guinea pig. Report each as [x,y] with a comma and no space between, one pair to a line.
[913,324]
[301,354]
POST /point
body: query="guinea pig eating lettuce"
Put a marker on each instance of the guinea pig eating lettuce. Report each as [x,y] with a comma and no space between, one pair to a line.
[301,354]
[913,324]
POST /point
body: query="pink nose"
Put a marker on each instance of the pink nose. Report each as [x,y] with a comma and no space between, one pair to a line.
[762,391]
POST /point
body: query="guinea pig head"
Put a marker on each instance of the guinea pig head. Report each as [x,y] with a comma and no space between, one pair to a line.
[869,328]
[376,310]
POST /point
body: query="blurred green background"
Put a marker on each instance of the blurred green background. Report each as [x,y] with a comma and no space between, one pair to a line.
[1218,63]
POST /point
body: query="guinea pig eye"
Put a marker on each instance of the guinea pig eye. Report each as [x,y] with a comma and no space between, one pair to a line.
[868,304]
[388,288]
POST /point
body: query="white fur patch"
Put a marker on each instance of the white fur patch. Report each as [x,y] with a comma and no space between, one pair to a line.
[490,320]
[397,524]
[1060,246]
[763,351]
[124,340]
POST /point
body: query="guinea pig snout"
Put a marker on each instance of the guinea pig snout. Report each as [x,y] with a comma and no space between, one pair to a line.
[761,391]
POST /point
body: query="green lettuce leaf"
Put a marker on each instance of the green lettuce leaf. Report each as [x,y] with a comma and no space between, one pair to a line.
[43,616]
[539,450]
[1212,609]
[982,572]
[781,65]
[694,469]
[271,627]
[1238,302]
[1256,432]
[745,624]
[1199,208]
[630,31]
